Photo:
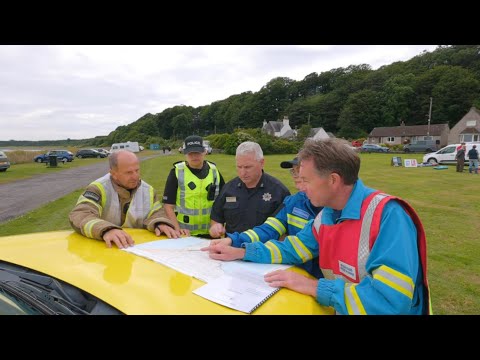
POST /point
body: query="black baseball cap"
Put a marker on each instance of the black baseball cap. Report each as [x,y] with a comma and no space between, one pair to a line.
[193,143]
[289,164]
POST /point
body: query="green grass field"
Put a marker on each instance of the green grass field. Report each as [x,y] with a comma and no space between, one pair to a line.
[447,202]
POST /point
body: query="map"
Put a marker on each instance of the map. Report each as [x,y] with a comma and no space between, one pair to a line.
[184,255]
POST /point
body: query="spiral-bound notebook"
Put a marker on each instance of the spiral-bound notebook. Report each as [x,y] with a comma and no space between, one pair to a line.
[244,292]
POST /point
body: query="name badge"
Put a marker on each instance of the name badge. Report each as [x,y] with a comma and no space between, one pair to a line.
[231,199]
[347,270]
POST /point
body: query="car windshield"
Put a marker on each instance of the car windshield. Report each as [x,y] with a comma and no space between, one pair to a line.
[24,291]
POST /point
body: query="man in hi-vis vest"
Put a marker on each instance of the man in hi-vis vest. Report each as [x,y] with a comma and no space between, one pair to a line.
[190,190]
[371,246]
[120,199]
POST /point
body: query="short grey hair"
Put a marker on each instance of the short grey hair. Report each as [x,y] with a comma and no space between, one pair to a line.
[332,156]
[249,147]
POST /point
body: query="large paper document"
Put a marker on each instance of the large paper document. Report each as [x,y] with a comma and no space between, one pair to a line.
[184,255]
[245,291]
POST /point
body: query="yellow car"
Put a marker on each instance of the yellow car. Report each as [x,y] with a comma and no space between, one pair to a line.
[62,272]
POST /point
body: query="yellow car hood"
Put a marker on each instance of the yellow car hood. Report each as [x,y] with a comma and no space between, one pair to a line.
[130,283]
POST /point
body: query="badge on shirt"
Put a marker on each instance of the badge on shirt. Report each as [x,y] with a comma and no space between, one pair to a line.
[267,197]
[347,270]
[300,213]
[231,199]
[92,196]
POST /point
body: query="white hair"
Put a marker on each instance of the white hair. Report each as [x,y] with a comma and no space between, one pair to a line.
[249,147]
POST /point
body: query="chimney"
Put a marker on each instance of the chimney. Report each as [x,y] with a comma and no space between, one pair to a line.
[285,120]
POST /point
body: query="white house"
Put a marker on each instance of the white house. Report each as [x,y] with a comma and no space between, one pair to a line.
[279,129]
[319,134]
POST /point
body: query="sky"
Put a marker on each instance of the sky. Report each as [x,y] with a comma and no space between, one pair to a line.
[57,92]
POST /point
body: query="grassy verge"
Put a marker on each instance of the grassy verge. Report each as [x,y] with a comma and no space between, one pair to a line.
[447,202]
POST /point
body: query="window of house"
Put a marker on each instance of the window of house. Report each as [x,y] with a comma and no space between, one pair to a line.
[469,137]
[390,139]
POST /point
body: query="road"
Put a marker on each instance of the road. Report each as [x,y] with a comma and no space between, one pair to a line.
[22,196]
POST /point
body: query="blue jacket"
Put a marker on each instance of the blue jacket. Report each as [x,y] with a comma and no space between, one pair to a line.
[395,247]
[295,213]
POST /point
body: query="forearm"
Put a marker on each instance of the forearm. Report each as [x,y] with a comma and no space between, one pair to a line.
[157,218]
[271,229]
[85,219]
[170,214]
[293,250]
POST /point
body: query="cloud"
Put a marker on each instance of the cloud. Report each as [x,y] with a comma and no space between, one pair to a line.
[60,92]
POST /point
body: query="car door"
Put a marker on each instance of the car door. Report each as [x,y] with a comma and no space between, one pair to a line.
[447,155]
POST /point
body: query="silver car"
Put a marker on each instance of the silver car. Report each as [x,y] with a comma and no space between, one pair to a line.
[4,163]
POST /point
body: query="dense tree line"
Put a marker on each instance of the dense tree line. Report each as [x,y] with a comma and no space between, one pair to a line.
[348,102]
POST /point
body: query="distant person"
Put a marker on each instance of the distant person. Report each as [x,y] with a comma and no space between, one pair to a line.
[371,245]
[120,199]
[473,160]
[191,188]
[249,199]
[288,220]
[460,157]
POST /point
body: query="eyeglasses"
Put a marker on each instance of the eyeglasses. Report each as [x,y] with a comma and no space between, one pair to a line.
[294,173]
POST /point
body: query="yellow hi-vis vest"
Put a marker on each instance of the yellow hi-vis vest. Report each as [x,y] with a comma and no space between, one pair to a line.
[192,205]
[141,205]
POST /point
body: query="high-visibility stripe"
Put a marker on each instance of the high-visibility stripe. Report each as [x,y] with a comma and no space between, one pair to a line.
[275,254]
[156,206]
[394,279]
[296,221]
[276,225]
[83,199]
[102,191]
[195,226]
[88,227]
[252,235]
[352,300]
[364,243]
[300,248]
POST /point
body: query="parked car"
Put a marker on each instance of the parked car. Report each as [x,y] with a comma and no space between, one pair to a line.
[373,148]
[357,143]
[206,145]
[89,153]
[4,162]
[103,151]
[89,278]
[420,146]
[62,155]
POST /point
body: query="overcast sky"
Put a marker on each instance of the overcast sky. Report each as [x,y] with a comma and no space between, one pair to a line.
[77,92]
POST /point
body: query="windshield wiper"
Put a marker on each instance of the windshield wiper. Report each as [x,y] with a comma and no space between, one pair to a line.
[38,289]
[26,298]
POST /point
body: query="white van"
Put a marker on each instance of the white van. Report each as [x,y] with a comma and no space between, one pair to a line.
[129,145]
[446,155]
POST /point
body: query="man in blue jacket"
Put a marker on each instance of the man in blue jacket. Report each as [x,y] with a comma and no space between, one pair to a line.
[372,246]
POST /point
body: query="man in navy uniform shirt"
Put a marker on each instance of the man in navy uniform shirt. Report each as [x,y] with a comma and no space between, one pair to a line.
[249,199]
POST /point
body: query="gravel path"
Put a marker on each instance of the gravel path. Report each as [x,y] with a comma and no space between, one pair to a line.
[22,196]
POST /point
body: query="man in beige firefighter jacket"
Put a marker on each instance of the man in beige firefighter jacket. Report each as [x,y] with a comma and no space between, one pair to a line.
[120,199]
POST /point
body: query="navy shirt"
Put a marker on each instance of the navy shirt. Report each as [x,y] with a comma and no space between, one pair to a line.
[241,208]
